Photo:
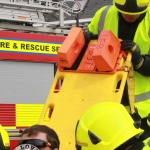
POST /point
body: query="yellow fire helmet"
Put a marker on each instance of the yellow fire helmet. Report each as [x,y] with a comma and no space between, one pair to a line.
[4,139]
[131,7]
[105,126]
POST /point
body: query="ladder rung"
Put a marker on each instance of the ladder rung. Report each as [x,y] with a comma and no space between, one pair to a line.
[33,29]
[23,15]
[22,18]
[14,11]
[33,6]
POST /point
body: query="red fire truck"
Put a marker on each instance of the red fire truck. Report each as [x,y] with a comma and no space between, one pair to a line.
[30,37]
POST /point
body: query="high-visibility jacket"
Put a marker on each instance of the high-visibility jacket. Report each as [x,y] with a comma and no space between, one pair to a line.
[146,144]
[106,18]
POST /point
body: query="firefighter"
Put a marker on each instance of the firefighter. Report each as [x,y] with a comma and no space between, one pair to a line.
[129,20]
[108,126]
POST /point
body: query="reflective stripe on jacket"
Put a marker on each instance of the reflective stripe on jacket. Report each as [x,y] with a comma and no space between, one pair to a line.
[106,18]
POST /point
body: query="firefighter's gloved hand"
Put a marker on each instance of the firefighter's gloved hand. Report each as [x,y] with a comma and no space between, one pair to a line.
[128,45]
[88,36]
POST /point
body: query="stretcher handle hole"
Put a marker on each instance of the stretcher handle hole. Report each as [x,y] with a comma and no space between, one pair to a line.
[51,109]
[58,85]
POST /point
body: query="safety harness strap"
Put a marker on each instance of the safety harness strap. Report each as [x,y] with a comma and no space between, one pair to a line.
[130,83]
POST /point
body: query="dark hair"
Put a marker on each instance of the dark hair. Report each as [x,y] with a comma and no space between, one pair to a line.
[52,136]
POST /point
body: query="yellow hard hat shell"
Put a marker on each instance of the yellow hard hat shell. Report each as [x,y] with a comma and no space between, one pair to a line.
[131,7]
[105,126]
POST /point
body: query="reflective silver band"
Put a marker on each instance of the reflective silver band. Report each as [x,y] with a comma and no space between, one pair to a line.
[142,97]
[102,19]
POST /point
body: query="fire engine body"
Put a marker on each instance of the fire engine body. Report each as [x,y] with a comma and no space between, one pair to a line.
[31,31]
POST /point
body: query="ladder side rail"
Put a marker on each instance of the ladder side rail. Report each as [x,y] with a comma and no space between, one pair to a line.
[47,30]
[33,29]
[33,6]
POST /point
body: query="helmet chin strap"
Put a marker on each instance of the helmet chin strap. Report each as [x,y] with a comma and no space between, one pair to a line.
[136,146]
[131,144]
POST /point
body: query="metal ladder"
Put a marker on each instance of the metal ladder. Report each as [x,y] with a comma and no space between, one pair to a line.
[39,15]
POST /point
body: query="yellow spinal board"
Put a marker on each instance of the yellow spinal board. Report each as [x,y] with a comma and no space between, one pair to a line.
[78,92]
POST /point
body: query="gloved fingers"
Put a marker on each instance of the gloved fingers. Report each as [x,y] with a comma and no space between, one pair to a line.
[126,41]
[95,36]
[127,45]
[87,36]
